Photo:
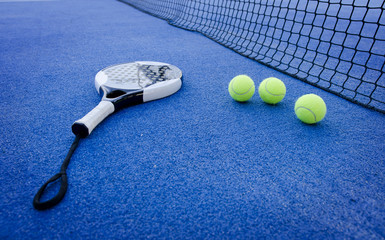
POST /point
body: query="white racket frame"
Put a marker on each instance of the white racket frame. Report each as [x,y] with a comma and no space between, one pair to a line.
[106,107]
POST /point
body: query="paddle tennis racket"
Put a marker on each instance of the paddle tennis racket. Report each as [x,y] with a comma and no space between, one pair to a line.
[121,86]
[129,84]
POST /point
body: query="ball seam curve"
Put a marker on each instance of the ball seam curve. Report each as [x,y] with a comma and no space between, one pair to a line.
[248,90]
[277,95]
[315,117]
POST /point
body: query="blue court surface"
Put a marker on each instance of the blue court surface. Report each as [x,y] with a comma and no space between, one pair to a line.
[194,165]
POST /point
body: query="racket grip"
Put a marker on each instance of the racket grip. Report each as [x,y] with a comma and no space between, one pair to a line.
[84,126]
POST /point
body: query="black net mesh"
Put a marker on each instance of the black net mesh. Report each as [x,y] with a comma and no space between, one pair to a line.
[336,45]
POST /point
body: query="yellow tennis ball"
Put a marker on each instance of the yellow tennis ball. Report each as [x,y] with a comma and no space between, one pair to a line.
[272,90]
[241,88]
[310,108]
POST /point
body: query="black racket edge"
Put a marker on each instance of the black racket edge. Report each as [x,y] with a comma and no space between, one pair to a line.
[37,204]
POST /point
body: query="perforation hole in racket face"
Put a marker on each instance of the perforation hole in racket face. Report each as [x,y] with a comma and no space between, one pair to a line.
[135,76]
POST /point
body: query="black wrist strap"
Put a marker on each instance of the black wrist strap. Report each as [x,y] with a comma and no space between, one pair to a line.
[64,182]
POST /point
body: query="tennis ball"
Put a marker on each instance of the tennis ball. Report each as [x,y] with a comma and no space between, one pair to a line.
[310,108]
[272,90]
[241,88]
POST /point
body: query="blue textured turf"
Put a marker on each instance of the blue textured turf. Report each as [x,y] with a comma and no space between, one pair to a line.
[193,165]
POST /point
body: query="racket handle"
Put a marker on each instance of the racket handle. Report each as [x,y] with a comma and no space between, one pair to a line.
[84,126]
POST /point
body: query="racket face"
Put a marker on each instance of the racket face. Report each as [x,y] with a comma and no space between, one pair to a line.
[137,82]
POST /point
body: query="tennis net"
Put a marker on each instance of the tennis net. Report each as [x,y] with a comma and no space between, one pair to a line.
[336,45]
